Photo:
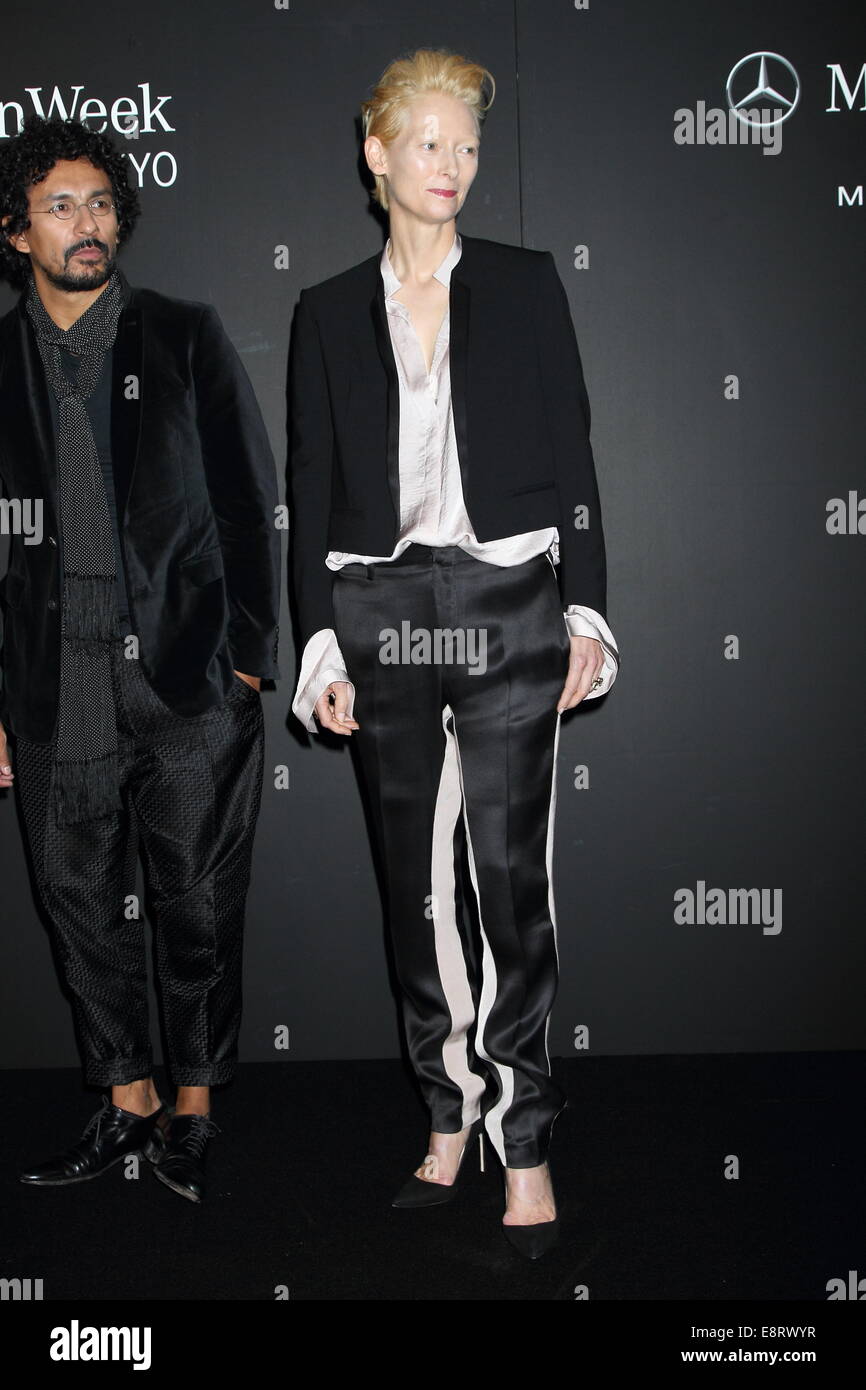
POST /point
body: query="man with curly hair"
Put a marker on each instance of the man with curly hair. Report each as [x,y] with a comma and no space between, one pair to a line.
[135,639]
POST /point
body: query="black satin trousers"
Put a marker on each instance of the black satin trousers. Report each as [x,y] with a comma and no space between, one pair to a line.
[191,790]
[444,743]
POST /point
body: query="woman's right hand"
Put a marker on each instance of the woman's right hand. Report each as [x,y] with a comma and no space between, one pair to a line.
[333,716]
[7,776]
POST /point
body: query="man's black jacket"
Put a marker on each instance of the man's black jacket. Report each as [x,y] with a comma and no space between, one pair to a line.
[196,491]
[521,418]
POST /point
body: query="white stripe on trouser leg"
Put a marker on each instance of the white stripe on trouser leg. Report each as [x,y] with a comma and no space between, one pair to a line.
[493,1118]
[450,959]
[549,860]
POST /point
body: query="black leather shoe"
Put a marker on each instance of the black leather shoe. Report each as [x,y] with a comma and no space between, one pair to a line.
[108,1137]
[421,1192]
[182,1166]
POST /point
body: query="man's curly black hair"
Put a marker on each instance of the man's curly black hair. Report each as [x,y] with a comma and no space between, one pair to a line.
[30,156]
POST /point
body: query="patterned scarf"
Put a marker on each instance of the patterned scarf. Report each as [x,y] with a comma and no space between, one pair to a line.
[86,770]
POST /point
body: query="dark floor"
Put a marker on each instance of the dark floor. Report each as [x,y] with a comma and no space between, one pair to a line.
[311,1153]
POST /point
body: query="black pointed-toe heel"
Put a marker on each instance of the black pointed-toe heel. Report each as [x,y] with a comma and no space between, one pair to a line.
[418,1192]
[534,1241]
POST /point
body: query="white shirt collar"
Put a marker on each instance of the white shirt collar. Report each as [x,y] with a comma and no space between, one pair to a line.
[442,273]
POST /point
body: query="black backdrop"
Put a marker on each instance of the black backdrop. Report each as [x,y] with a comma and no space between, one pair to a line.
[729,752]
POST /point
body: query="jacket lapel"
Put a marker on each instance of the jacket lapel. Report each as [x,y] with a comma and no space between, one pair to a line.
[458,357]
[126,398]
[386,353]
[31,389]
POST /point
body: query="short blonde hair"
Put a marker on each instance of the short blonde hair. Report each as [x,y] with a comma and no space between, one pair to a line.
[425,70]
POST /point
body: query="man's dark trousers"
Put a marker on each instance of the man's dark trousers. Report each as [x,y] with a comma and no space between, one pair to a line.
[191,790]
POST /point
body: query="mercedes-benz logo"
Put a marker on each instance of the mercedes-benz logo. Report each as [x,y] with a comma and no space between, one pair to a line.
[763,97]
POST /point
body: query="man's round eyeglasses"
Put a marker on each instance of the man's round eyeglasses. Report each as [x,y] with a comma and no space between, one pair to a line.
[100,207]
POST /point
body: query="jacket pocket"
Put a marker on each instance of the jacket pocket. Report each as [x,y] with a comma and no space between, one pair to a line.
[532,487]
[202,569]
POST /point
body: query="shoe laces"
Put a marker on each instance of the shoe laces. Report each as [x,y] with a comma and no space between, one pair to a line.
[80,1150]
[201,1129]
[95,1121]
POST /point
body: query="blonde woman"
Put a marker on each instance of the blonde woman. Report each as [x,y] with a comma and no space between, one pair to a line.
[449,572]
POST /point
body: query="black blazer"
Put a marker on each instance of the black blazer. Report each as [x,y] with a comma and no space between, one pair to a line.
[521,418]
[196,489]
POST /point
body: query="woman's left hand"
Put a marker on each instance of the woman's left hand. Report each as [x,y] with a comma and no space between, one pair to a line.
[586,662]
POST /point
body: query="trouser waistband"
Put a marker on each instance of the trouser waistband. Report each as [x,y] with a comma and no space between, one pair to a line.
[418,555]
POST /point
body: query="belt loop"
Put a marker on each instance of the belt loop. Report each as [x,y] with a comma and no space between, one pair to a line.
[370,571]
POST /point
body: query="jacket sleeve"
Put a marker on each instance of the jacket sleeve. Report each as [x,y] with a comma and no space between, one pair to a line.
[582,569]
[4,561]
[242,483]
[311,436]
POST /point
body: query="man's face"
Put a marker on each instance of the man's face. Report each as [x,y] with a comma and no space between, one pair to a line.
[78,253]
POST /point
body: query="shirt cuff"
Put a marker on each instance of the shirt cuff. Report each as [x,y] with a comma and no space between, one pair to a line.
[586,622]
[321,663]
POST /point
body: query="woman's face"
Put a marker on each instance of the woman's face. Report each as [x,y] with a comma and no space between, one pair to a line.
[430,166]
